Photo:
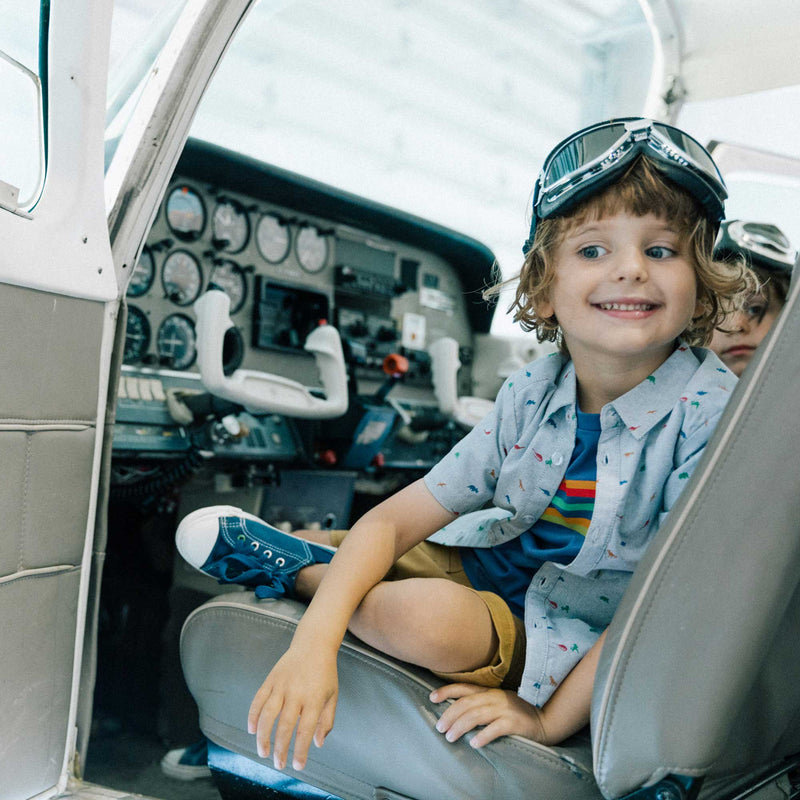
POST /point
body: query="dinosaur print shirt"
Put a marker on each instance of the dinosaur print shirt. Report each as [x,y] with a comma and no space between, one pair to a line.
[651,439]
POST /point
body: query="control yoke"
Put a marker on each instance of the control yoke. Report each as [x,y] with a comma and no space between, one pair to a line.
[260,392]
[467,411]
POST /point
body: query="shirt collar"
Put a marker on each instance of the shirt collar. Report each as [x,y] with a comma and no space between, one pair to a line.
[648,403]
[566,386]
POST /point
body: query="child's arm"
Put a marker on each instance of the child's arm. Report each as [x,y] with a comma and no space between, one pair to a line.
[301,689]
[504,712]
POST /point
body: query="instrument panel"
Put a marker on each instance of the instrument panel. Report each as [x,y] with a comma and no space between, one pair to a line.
[252,252]
[291,255]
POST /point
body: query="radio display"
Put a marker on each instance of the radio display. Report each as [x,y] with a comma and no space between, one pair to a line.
[283,317]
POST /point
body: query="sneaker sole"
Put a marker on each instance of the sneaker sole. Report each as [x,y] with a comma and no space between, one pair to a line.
[197,533]
[172,768]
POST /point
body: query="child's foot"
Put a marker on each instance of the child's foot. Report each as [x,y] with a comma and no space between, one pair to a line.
[187,763]
[236,547]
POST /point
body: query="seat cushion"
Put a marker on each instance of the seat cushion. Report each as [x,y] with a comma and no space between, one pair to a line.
[384,734]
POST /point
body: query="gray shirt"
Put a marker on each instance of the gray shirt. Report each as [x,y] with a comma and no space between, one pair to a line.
[650,442]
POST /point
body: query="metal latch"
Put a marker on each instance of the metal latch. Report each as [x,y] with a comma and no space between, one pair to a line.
[9,196]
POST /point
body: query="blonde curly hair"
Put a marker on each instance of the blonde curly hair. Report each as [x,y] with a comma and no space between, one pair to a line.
[721,285]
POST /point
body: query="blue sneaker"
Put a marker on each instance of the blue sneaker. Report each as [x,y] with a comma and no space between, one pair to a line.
[236,547]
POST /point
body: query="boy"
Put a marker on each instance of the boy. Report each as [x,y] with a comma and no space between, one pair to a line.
[584,454]
[771,257]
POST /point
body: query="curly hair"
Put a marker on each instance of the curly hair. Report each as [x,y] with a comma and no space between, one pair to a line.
[774,285]
[642,189]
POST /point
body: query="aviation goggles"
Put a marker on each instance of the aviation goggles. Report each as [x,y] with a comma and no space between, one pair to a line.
[763,245]
[591,159]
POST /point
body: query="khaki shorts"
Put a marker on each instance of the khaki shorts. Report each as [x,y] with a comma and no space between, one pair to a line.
[430,560]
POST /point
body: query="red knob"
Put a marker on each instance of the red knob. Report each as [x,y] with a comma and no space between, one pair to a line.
[395,365]
[328,457]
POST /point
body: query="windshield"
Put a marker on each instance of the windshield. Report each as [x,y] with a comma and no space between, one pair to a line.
[445,111]
[756,120]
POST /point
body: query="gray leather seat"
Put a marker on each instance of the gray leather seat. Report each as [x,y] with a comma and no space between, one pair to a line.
[699,677]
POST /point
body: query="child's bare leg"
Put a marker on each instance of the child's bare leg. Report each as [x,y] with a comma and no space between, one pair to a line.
[308,580]
[396,617]
[317,536]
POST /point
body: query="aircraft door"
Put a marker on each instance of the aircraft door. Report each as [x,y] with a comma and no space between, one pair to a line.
[57,317]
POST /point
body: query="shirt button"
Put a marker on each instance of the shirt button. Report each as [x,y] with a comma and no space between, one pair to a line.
[557,459]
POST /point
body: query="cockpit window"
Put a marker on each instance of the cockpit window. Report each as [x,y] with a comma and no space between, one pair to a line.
[22,163]
[139,30]
[443,110]
[759,156]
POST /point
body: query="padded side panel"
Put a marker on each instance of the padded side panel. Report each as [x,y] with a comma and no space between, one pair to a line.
[58,355]
[13,455]
[384,734]
[37,631]
[43,523]
[49,360]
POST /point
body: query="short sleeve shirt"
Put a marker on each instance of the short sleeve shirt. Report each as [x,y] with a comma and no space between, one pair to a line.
[650,441]
[557,535]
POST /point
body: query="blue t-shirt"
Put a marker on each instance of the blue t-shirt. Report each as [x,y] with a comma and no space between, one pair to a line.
[506,569]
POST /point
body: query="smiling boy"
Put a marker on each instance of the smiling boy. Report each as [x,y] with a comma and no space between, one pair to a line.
[583,456]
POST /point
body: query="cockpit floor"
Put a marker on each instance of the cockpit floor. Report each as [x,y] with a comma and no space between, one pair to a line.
[130,761]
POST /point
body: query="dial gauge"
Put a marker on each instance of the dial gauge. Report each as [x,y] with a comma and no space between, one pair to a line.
[230,278]
[143,274]
[273,238]
[182,277]
[176,342]
[312,249]
[137,335]
[230,226]
[186,214]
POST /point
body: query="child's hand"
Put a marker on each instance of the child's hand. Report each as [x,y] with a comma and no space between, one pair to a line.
[302,691]
[502,712]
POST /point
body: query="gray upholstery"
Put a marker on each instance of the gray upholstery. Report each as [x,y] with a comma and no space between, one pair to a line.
[47,438]
[54,328]
[37,627]
[383,736]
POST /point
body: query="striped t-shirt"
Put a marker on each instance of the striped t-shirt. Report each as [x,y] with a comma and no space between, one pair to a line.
[558,535]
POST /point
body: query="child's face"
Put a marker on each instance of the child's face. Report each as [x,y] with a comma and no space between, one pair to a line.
[624,290]
[744,331]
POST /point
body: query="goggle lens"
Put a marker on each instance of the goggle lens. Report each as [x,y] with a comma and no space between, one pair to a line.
[596,149]
[579,150]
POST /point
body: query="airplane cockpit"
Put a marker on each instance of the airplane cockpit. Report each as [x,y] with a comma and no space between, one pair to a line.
[248,245]
[292,256]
